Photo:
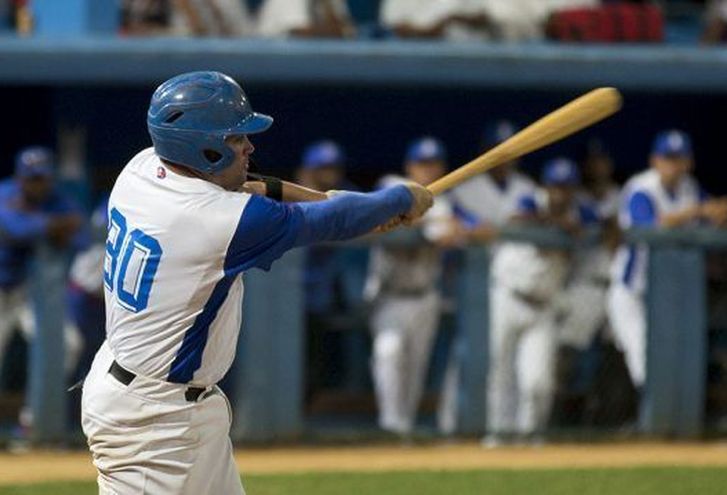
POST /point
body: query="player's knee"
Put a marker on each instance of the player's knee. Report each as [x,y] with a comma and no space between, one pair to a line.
[388,345]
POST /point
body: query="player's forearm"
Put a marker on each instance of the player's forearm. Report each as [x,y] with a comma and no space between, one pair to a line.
[349,215]
[677,219]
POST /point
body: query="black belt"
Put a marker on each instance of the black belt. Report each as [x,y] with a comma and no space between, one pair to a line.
[126,377]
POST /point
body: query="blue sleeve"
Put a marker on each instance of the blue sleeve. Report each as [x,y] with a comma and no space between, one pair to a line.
[22,226]
[267,229]
[588,214]
[641,210]
[526,205]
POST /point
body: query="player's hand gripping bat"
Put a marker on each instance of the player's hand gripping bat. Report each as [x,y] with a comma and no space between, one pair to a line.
[569,119]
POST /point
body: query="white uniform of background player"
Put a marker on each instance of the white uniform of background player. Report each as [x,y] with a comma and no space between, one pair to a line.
[179,239]
[665,195]
[402,286]
[491,200]
[525,282]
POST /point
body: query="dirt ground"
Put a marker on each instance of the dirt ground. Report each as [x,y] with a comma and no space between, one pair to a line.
[37,466]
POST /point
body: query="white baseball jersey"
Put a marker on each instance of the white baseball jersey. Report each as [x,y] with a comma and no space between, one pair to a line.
[529,270]
[482,200]
[174,254]
[168,249]
[644,200]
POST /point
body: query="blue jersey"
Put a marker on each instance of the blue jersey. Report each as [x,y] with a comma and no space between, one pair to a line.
[21,226]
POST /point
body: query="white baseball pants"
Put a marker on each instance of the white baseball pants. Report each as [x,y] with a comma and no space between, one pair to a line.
[627,314]
[521,373]
[16,313]
[404,329]
[145,438]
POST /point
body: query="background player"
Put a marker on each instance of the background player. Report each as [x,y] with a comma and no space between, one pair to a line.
[180,236]
[402,287]
[665,196]
[483,204]
[32,210]
[525,282]
[584,301]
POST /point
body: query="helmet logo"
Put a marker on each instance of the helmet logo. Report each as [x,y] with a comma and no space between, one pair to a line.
[161,172]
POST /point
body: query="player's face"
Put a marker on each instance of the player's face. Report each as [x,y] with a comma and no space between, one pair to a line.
[235,175]
[35,188]
[425,172]
[501,173]
[327,177]
[560,197]
[671,169]
[599,169]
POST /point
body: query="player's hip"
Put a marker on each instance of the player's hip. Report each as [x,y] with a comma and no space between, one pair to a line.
[109,398]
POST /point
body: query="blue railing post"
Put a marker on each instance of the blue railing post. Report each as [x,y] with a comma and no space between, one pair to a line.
[269,381]
[673,401]
[473,336]
[47,379]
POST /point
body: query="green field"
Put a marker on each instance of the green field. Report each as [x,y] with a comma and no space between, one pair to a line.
[636,481]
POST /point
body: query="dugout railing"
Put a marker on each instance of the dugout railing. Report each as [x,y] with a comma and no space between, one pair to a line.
[269,373]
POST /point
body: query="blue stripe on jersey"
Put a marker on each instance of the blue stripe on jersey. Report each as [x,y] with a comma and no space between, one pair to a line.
[469,219]
[527,205]
[265,231]
[641,209]
[628,274]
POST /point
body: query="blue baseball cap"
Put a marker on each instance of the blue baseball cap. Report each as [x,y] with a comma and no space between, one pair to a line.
[426,149]
[323,154]
[560,172]
[672,143]
[498,132]
[34,161]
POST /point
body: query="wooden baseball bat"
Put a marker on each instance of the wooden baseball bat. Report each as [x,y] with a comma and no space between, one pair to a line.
[568,119]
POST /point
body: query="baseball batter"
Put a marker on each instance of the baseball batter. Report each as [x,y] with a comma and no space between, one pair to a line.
[402,287]
[180,235]
[525,282]
[664,196]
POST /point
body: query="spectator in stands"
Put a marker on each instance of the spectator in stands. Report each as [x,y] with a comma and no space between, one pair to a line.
[716,28]
[510,20]
[306,19]
[450,19]
[32,210]
[222,18]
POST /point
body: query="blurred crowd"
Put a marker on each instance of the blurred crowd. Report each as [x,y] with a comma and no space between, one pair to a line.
[601,21]
[549,304]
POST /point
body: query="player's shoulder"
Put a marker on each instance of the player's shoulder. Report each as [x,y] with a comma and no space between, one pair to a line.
[521,180]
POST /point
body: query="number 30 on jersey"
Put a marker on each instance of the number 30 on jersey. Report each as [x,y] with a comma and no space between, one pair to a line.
[130,263]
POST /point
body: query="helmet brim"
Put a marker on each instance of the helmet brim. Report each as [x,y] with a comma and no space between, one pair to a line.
[255,124]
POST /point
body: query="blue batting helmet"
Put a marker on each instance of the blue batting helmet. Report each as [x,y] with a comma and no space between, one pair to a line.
[560,172]
[190,116]
[34,161]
